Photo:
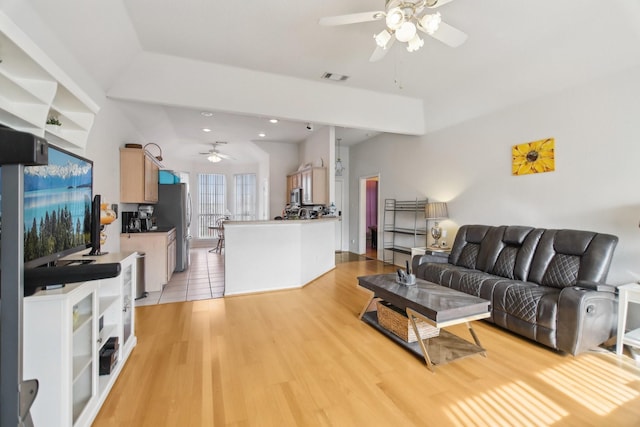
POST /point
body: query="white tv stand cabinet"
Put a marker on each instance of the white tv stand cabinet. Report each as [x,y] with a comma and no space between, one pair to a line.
[64,330]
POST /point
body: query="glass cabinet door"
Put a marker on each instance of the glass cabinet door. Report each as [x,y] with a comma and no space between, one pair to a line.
[84,360]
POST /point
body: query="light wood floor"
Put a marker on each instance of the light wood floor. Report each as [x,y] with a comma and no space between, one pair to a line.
[302,358]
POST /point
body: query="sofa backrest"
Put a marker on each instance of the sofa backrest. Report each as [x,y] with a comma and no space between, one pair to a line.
[466,246]
[557,258]
[564,257]
[512,251]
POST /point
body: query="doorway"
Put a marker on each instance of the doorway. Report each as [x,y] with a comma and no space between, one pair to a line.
[369,216]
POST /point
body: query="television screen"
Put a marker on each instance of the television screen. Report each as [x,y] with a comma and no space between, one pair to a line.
[57,207]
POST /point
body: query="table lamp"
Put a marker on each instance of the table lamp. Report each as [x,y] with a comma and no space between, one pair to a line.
[436,211]
[107,216]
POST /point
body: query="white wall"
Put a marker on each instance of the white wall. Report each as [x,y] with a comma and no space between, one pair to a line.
[283,160]
[315,149]
[110,131]
[469,166]
[344,155]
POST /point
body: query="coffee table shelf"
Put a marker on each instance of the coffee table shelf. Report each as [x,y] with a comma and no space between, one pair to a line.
[444,348]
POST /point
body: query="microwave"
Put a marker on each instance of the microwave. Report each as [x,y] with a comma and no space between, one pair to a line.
[296,197]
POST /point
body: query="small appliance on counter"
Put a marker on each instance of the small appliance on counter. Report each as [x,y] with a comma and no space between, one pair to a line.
[131,222]
[145,213]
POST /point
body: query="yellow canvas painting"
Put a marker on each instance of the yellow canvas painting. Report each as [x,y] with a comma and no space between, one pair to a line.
[533,157]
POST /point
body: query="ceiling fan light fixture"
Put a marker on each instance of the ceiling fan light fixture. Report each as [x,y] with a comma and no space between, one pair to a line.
[431,22]
[415,43]
[406,32]
[395,18]
[382,38]
[214,158]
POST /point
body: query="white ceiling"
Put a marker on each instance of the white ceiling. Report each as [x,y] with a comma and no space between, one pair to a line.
[516,50]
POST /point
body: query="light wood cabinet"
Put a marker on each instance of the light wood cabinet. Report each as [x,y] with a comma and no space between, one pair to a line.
[138,177]
[64,330]
[289,187]
[171,255]
[313,182]
[160,255]
[314,186]
[33,91]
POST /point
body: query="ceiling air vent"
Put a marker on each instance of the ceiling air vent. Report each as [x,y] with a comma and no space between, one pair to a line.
[334,77]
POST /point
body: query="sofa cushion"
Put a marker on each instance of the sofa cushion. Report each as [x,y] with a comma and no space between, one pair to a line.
[466,246]
[527,309]
[562,271]
[514,252]
[506,262]
[564,257]
[437,272]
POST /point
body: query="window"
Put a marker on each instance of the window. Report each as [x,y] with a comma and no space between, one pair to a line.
[245,205]
[211,202]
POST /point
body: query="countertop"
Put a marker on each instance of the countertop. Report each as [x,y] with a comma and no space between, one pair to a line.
[283,221]
[158,230]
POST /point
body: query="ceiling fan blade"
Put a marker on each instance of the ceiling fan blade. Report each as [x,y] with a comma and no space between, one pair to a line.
[352,18]
[225,156]
[438,3]
[449,35]
[380,53]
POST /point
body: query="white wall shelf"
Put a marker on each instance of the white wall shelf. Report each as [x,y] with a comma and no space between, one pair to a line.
[33,90]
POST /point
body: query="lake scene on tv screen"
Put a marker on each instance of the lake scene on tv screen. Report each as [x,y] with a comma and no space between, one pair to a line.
[57,205]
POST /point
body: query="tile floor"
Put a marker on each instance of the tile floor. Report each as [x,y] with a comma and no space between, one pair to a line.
[204,279]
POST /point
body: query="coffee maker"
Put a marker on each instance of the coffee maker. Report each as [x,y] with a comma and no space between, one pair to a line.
[130,222]
[145,212]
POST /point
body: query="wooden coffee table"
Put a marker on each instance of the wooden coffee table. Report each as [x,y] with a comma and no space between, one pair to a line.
[437,305]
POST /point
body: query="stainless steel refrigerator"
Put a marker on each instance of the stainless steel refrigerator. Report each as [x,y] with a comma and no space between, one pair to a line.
[174,210]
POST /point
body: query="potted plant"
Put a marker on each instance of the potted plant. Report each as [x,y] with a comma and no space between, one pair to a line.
[53,121]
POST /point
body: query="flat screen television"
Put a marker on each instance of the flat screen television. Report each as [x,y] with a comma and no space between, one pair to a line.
[57,208]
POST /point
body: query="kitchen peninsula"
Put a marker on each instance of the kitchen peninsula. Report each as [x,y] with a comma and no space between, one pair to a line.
[271,255]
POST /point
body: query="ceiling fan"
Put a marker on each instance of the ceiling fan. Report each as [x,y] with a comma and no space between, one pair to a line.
[403,18]
[214,156]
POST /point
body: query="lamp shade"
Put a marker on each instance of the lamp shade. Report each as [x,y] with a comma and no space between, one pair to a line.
[436,210]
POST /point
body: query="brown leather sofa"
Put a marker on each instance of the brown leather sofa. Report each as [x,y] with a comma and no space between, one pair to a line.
[546,285]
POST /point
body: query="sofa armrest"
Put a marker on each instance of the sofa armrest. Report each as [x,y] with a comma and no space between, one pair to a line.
[595,286]
[586,318]
[421,259]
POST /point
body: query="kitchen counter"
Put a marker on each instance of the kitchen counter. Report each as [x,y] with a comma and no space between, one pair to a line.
[277,254]
[157,230]
[285,221]
[159,247]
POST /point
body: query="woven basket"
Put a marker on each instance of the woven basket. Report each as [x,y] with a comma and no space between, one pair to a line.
[394,320]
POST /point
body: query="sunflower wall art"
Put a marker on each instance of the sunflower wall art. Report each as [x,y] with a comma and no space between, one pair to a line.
[534,157]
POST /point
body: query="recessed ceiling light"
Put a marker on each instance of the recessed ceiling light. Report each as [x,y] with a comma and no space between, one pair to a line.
[262,134]
[273,120]
[207,113]
[206,130]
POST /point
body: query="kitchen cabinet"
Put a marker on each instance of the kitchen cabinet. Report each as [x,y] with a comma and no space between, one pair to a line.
[314,186]
[33,90]
[171,255]
[64,330]
[160,255]
[313,182]
[138,176]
